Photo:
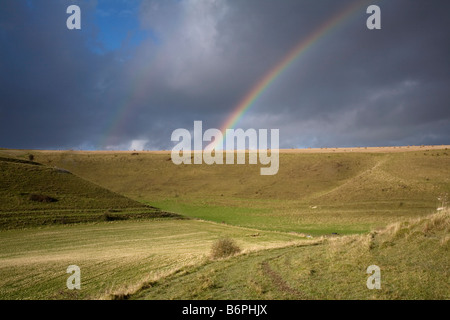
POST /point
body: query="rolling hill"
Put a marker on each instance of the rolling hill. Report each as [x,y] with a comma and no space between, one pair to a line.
[309,232]
[329,191]
[32,194]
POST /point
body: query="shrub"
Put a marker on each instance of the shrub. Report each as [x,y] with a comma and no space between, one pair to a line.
[31,157]
[110,217]
[224,248]
[41,198]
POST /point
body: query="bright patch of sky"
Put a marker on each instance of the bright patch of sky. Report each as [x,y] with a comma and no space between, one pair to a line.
[29,4]
[118,25]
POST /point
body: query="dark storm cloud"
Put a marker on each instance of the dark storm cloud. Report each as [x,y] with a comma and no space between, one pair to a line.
[361,87]
[49,84]
[353,87]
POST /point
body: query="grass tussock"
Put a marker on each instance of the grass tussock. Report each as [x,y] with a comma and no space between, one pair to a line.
[42,198]
[223,248]
[420,227]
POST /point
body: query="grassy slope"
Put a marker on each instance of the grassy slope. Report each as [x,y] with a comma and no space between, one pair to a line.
[167,259]
[312,193]
[412,256]
[114,257]
[77,200]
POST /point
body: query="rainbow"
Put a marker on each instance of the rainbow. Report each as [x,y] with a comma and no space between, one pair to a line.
[117,122]
[264,83]
[121,116]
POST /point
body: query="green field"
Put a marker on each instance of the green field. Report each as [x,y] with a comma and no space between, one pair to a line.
[140,227]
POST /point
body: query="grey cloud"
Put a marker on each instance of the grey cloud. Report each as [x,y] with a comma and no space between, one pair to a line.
[352,87]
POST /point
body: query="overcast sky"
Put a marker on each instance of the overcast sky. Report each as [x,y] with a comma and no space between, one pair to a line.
[137,70]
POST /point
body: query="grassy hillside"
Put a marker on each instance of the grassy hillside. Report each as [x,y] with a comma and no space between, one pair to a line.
[32,194]
[170,260]
[114,257]
[361,208]
[314,193]
[412,256]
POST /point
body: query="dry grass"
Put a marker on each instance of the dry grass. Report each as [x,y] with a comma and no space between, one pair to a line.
[116,258]
[339,191]
[315,192]
[223,248]
[412,255]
